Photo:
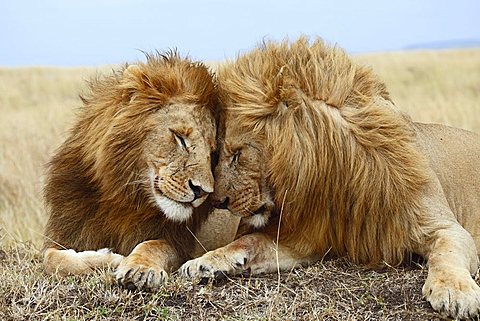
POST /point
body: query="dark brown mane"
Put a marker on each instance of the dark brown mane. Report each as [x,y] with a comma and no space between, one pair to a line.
[92,193]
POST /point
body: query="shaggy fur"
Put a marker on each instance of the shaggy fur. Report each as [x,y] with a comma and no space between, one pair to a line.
[316,156]
[100,186]
[368,142]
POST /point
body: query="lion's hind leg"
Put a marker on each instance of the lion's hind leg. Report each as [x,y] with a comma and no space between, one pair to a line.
[70,262]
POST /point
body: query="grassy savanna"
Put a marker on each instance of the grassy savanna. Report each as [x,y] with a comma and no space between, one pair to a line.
[37,107]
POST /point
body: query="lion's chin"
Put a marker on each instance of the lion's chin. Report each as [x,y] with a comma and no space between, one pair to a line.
[260,217]
[173,210]
[257,220]
[199,201]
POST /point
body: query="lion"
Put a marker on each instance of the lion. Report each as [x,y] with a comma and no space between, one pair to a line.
[133,175]
[318,160]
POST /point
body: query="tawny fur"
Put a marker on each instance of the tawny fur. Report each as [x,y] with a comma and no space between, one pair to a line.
[95,192]
[317,114]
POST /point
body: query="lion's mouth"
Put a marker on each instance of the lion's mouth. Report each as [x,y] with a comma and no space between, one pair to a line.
[195,203]
[173,209]
[199,201]
[260,211]
[185,204]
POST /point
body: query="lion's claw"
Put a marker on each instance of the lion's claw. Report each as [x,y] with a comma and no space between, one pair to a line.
[213,266]
[130,286]
[140,277]
[219,275]
[195,269]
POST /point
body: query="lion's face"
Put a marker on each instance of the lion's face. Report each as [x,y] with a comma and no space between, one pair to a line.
[153,134]
[240,177]
[178,159]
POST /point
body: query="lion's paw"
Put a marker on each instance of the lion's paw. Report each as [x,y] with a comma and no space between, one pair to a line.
[211,265]
[115,259]
[459,297]
[140,277]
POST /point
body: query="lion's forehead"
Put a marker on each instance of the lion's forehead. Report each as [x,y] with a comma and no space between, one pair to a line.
[236,138]
[191,121]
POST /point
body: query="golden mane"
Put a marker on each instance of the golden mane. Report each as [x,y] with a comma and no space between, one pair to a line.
[339,151]
[161,80]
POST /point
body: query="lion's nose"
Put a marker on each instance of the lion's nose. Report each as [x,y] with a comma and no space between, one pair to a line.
[197,190]
[221,204]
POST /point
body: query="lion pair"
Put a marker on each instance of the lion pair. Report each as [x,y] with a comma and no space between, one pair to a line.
[313,155]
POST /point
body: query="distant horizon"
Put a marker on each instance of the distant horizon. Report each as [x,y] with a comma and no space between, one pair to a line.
[140,54]
[141,57]
[94,33]
[445,44]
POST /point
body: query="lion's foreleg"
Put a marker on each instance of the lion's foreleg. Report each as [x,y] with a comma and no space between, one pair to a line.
[452,259]
[70,262]
[148,265]
[256,253]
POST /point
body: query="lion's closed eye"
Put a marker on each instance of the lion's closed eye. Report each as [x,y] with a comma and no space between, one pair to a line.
[236,157]
[181,137]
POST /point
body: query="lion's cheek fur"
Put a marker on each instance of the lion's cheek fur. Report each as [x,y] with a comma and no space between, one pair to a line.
[172,210]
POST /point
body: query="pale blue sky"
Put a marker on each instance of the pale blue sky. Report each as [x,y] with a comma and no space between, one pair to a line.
[94,32]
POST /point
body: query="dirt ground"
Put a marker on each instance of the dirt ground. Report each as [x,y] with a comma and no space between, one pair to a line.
[330,290]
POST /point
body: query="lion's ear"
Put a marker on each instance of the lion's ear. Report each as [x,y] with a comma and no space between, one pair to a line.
[132,71]
[134,79]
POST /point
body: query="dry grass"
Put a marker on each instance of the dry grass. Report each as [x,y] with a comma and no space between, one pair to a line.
[333,290]
[37,105]
[433,86]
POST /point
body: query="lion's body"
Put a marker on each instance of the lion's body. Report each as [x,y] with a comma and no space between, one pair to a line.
[136,167]
[348,173]
[103,226]
[453,156]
